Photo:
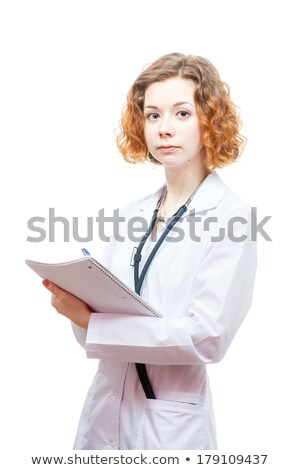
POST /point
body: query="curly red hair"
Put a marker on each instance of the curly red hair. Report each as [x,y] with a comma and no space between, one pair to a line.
[218,116]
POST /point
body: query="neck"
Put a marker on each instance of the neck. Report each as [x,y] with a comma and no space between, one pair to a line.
[181,183]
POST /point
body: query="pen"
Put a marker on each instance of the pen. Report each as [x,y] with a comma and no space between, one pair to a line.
[86,252]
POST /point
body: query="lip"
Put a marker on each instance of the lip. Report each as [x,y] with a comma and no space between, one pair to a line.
[167,148]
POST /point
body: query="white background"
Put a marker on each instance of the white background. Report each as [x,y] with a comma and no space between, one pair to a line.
[66,67]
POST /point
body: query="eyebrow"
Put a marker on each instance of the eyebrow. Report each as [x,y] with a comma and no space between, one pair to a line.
[174,105]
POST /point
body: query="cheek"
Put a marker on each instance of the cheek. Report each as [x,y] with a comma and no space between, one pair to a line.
[194,134]
[147,135]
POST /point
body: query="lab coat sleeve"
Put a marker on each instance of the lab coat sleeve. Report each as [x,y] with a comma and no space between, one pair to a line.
[221,297]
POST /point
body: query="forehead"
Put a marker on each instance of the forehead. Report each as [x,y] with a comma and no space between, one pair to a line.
[170,91]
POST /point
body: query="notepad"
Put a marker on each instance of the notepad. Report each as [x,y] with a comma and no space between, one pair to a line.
[91,282]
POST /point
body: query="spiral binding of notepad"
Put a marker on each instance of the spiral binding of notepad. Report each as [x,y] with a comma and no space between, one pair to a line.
[125,288]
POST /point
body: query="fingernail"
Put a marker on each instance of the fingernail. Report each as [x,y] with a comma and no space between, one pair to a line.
[46,282]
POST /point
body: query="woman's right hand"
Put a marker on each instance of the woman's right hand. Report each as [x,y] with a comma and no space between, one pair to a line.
[68,305]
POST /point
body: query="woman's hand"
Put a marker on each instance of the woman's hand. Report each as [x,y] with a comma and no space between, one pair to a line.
[68,305]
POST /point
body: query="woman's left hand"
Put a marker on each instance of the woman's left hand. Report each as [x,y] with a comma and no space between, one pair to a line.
[68,305]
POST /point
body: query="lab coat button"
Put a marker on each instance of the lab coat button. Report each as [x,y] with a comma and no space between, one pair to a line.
[116,393]
[112,443]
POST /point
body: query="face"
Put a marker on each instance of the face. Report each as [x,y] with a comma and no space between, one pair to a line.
[172,130]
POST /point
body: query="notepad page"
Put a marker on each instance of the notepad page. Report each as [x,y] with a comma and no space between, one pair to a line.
[90,281]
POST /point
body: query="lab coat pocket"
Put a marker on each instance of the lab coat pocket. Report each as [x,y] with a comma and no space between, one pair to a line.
[171,425]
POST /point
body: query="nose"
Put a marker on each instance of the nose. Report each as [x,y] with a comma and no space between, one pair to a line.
[163,133]
[165,128]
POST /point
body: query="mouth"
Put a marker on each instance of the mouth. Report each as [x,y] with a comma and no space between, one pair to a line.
[166,147]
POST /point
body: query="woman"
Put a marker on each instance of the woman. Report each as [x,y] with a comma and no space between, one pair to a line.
[179,114]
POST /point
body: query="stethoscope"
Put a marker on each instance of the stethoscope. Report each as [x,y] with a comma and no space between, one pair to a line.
[138,280]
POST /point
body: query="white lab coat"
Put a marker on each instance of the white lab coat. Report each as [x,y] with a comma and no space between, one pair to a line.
[203,289]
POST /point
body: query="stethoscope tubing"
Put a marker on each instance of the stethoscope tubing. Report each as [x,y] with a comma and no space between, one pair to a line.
[138,281]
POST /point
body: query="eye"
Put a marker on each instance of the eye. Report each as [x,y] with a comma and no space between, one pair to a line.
[152,116]
[183,113]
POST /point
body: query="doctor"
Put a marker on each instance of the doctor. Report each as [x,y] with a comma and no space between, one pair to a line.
[151,390]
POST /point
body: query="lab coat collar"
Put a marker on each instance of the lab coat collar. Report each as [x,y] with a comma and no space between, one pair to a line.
[208,196]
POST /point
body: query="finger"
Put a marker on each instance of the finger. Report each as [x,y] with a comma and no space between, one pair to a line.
[55,302]
[53,288]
